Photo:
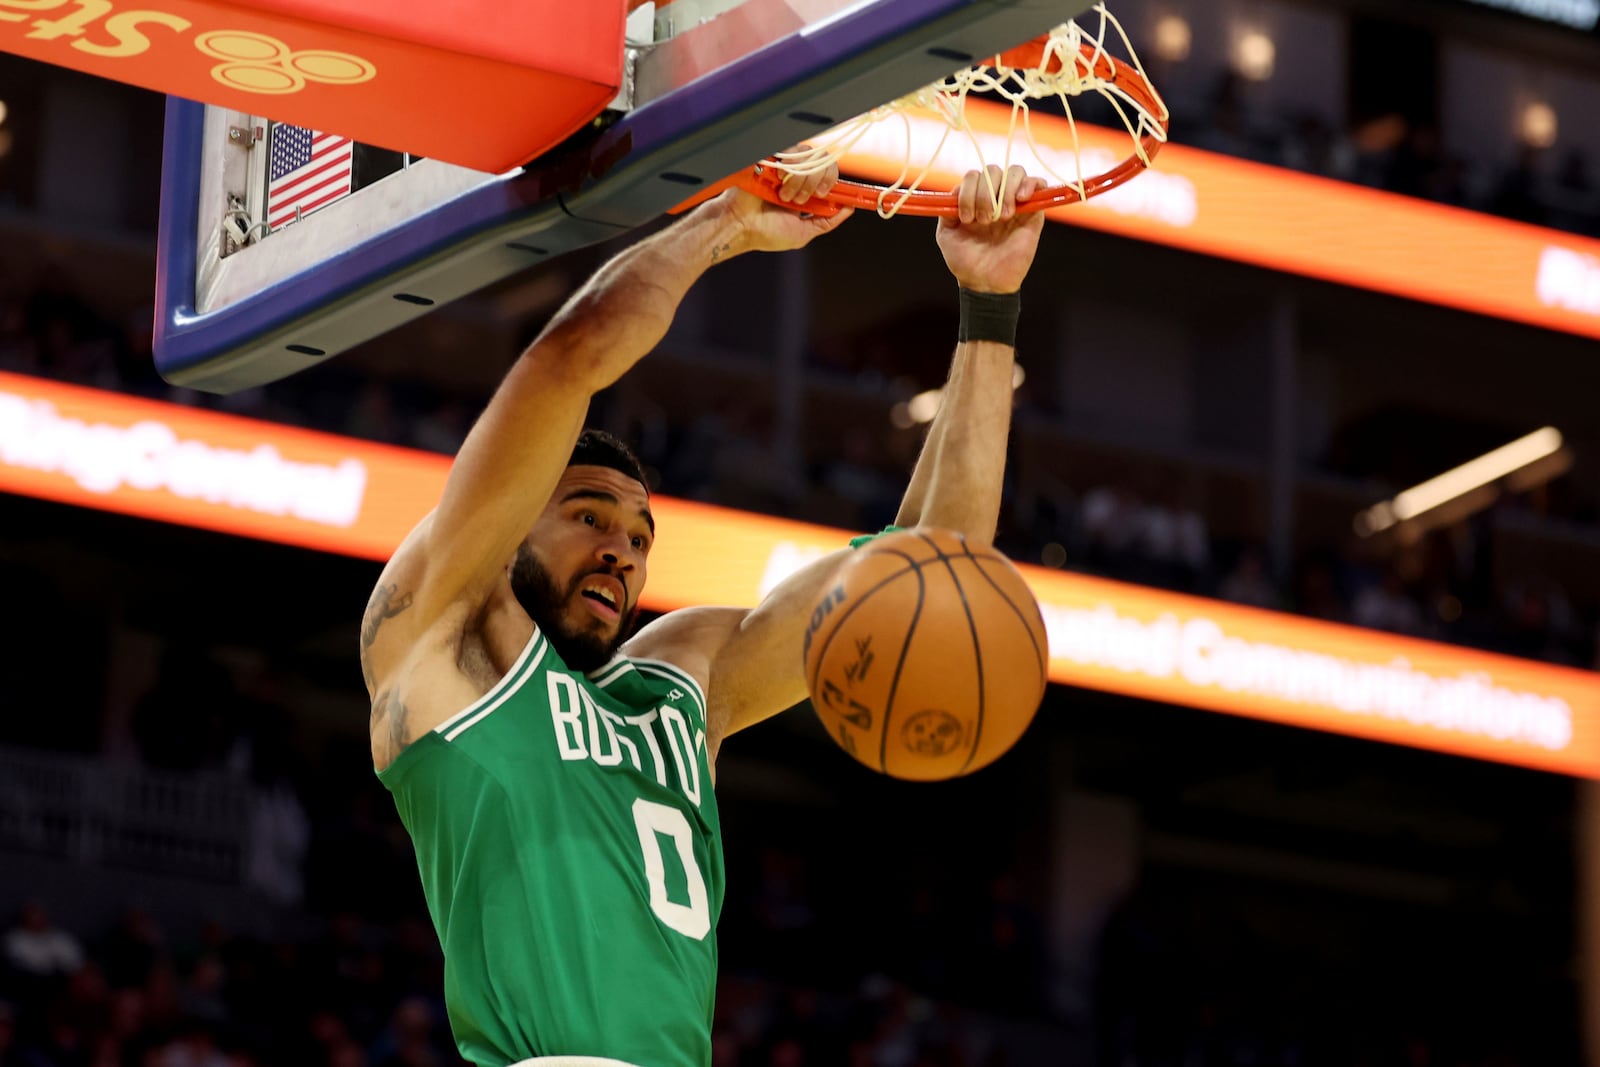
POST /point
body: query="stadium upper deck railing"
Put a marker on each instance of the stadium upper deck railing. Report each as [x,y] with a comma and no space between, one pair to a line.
[90,811]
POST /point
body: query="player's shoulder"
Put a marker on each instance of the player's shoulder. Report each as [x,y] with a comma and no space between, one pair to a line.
[687,640]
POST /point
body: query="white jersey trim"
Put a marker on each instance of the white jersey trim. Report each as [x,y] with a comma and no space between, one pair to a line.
[610,672]
[478,709]
[570,1061]
[660,668]
[674,673]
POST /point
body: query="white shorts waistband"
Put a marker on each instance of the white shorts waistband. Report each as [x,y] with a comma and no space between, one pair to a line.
[570,1061]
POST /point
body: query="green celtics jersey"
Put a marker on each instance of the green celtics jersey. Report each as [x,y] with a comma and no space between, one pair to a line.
[567,836]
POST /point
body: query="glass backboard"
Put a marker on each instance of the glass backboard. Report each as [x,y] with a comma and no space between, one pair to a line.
[282,247]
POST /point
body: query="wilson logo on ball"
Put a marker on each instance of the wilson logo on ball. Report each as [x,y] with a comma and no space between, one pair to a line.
[830,600]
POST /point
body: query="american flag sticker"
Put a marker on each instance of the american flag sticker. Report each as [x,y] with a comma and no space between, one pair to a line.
[309,169]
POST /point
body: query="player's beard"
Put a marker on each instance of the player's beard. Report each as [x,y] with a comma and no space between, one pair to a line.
[581,649]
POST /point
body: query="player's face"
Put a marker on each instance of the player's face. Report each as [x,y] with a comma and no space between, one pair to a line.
[579,573]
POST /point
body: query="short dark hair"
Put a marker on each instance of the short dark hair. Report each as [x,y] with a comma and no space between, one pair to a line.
[596,448]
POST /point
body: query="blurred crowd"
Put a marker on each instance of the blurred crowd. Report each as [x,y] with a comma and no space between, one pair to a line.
[364,987]
[1185,978]
[1445,587]
[1545,187]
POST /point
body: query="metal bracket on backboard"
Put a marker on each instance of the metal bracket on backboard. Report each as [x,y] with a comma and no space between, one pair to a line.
[711,115]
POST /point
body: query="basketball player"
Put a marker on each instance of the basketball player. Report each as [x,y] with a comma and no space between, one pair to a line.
[555,774]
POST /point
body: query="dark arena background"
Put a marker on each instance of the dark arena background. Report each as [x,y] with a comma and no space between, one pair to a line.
[198,867]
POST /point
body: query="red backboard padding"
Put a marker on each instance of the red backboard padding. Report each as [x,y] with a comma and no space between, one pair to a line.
[482,83]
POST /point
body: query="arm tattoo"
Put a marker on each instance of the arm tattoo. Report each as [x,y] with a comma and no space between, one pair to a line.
[390,713]
[381,607]
[721,250]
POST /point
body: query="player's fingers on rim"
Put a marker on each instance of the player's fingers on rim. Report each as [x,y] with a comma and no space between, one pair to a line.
[787,192]
[804,185]
[988,184]
[994,192]
[967,199]
[814,185]
[827,181]
[1016,182]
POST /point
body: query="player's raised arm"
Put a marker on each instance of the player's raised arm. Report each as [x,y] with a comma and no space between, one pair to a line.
[956,484]
[957,481]
[512,459]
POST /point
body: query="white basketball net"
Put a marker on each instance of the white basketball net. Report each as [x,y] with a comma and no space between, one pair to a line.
[1077,71]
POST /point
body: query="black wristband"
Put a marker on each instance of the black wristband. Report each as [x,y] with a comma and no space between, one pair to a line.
[990,317]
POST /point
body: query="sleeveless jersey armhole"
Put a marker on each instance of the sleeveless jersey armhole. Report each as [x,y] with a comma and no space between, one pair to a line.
[526,663]
[662,670]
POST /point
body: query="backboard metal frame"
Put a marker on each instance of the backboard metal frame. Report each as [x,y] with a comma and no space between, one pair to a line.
[706,119]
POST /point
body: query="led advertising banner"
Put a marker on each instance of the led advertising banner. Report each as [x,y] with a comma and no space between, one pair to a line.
[335,494]
[1275,218]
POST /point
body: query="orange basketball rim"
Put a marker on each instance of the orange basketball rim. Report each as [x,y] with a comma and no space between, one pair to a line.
[1061,64]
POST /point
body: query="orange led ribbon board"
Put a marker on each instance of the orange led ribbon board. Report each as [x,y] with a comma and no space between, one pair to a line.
[1279,219]
[334,494]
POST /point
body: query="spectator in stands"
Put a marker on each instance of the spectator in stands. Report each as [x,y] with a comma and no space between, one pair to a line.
[1572,196]
[412,1038]
[132,950]
[195,1046]
[374,416]
[856,474]
[1317,592]
[1109,524]
[1173,538]
[1229,126]
[39,949]
[444,428]
[1249,583]
[1517,196]
[1386,605]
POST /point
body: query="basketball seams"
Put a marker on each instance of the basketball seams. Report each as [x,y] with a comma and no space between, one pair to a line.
[905,650]
[912,665]
[822,653]
[977,648]
[1039,654]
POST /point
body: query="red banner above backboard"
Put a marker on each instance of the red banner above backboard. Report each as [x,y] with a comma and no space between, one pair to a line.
[480,83]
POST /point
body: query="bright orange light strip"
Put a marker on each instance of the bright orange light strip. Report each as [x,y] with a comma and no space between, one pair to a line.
[1280,219]
[257,479]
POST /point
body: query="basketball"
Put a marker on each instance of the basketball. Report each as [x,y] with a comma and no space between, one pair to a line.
[926,658]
